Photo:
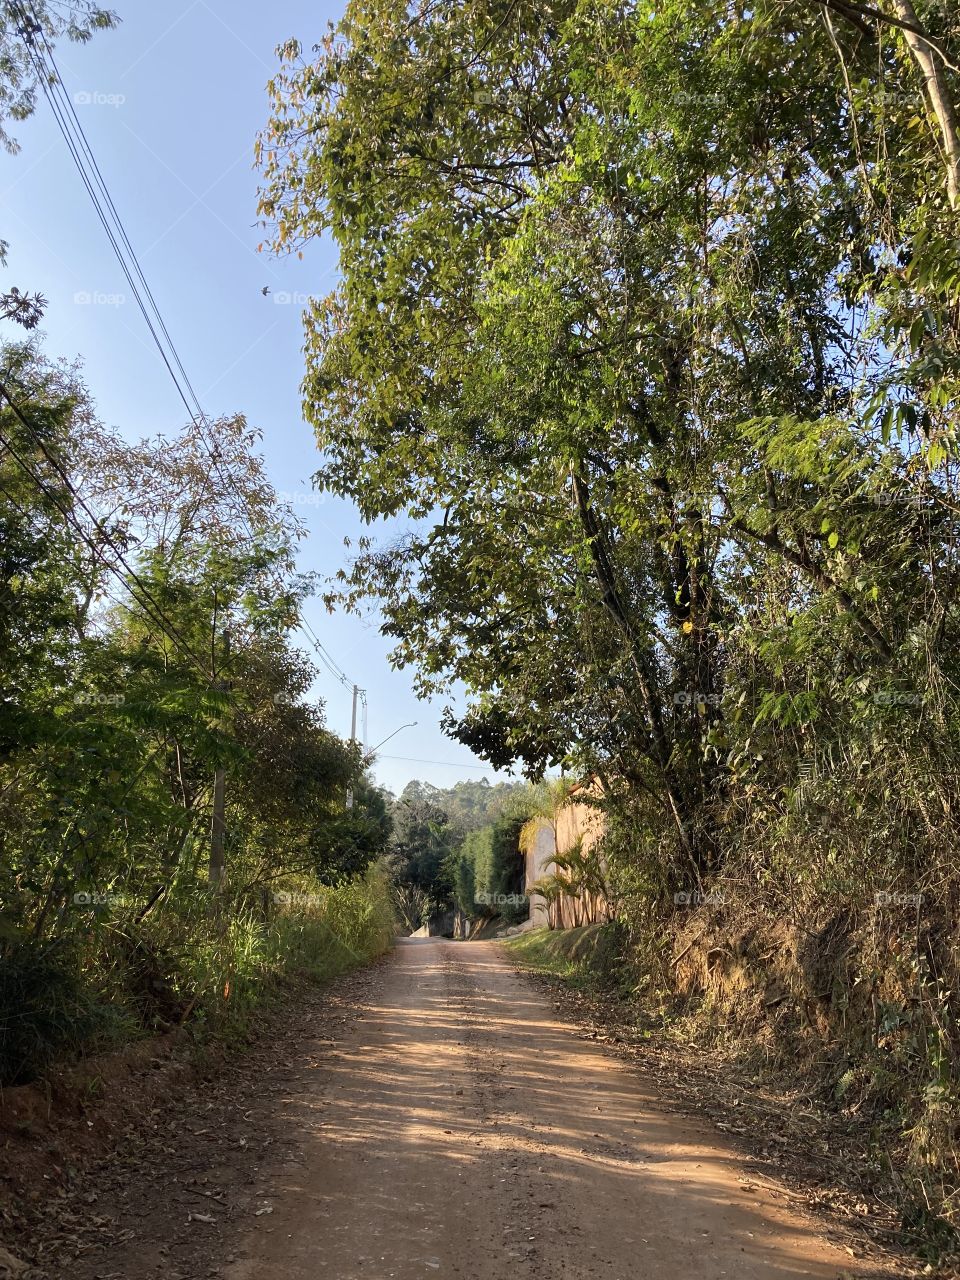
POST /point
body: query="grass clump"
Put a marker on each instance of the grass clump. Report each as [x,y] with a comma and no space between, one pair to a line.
[206,967]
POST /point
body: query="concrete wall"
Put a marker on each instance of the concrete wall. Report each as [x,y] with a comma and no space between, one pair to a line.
[575,821]
[538,862]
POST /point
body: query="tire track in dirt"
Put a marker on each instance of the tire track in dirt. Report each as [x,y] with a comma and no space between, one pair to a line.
[443,1121]
[470,1133]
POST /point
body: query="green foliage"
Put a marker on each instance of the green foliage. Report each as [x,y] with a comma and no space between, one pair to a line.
[423,836]
[592,957]
[41,20]
[486,871]
[435,830]
[647,324]
[141,651]
[126,976]
[350,843]
[463,879]
[679,315]
[579,877]
[471,805]
[45,1010]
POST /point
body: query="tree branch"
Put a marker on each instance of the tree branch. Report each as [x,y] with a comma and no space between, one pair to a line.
[802,560]
[851,11]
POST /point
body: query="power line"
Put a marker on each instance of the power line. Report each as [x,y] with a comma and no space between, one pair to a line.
[335,670]
[91,157]
[60,105]
[158,617]
[92,177]
[68,122]
[446,764]
[333,667]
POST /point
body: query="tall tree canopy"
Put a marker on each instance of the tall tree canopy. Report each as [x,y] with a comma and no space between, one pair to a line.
[648,322]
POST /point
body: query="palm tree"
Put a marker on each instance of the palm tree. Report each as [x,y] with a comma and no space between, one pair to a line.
[550,798]
[577,875]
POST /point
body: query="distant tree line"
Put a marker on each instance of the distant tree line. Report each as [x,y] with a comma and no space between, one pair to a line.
[458,847]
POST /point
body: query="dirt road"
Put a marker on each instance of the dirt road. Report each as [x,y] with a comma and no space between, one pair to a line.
[459,1130]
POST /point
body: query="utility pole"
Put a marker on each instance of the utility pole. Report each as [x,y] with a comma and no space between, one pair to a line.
[217,872]
[217,830]
[353,738]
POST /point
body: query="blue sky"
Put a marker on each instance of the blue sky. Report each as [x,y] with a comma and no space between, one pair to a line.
[171,102]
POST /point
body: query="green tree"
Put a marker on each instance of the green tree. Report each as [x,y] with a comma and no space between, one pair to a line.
[422,839]
[673,306]
[24,26]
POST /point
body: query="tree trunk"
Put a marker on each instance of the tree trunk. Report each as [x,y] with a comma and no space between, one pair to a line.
[932,70]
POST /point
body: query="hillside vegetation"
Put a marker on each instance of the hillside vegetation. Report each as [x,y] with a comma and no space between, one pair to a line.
[174,823]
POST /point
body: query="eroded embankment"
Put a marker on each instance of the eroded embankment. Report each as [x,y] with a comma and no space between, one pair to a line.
[835,1024]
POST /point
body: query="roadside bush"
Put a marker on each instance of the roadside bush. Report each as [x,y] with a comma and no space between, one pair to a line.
[185,964]
[46,1010]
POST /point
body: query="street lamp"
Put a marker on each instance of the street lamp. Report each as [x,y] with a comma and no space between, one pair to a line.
[373,750]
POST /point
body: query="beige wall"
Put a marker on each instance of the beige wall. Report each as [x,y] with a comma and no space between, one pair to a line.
[574,822]
[578,820]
